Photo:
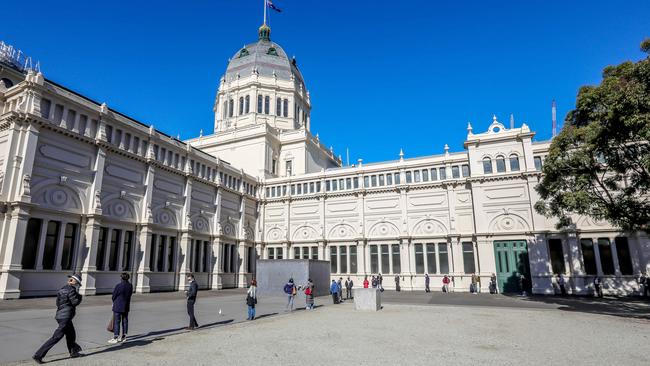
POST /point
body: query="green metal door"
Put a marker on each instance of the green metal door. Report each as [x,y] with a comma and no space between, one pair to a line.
[512,260]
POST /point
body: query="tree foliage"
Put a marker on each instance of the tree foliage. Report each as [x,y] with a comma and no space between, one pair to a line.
[599,164]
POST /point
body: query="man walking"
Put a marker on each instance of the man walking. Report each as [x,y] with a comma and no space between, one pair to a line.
[334,288]
[121,306]
[380,280]
[397,288]
[67,300]
[191,299]
[348,288]
[598,287]
[427,280]
[339,286]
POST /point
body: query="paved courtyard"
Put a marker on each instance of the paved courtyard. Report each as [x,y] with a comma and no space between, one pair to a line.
[412,329]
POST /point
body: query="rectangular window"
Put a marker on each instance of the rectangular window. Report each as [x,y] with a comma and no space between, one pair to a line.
[271,252]
[398,179]
[30,249]
[234,259]
[296,252]
[353,259]
[381,180]
[465,170]
[206,257]
[419,259]
[501,164]
[588,256]
[335,185]
[455,172]
[114,250]
[443,258]
[389,179]
[373,180]
[341,184]
[397,264]
[311,187]
[293,189]
[366,181]
[298,188]
[416,176]
[557,255]
[624,257]
[333,260]
[425,175]
[434,174]
[328,186]
[468,257]
[318,187]
[514,163]
[431,258]
[344,259]
[385,261]
[355,180]
[68,249]
[374,259]
[197,255]
[51,237]
[305,252]
[160,249]
[606,257]
[289,167]
[538,163]
[152,252]
[170,255]
[443,173]
[408,177]
[348,183]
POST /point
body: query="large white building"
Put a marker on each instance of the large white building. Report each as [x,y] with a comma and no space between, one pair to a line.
[85,188]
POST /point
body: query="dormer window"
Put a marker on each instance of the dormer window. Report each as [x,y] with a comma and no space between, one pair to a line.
[272,51]
[243,53]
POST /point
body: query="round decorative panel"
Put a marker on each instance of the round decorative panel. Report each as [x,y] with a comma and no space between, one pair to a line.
[119,209]
[165,218]
[59,197]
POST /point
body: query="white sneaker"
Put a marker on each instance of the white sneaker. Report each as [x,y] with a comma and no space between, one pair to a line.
[123,339]
[113,341]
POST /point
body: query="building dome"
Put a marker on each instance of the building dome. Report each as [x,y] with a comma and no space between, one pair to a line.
[265,57]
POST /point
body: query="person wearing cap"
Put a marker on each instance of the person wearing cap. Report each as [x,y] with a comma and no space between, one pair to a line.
[121,306]
[67,299]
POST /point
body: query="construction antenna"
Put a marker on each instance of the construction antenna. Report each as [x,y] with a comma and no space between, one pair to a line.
[553,115]
[512,121]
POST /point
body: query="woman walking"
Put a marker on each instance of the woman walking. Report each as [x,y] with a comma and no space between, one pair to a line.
[121,306]
[251,299]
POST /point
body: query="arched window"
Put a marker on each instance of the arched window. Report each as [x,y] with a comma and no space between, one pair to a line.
[260,100]
[487,166]
[278,107]
[267,105]
[285,110]
[247,104]
[514,163]
[501,164]
[231,107]
[241,105]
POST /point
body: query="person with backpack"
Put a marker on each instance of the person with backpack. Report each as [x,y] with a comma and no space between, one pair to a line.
[67,300]
[334,288]
[251,299]
[348,288]
[309,295]
[290,291]
[374,282]
[121,306]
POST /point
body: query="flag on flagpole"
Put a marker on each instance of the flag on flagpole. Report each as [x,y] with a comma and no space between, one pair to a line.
[271,6]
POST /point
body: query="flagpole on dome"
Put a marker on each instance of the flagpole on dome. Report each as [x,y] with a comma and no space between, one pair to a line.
[265,6]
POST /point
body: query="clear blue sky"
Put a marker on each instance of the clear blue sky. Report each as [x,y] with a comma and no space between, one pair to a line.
[383,75]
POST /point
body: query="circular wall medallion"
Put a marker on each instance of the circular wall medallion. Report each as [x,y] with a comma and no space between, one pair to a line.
[59,197]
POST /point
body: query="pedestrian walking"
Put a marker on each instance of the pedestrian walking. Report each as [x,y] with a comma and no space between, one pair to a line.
[380,281]
[251,299]
[348,288]
[339,285]
[522,284]
[644,281]
[598,287]
[445,284]
[365,282]
[121,306]
[375,283]
[191,293]
[493,284]
[67,300]
[334,288]
[397,288]
[562,283]
[427,281]
[474,285]
[309,295]
[290,291]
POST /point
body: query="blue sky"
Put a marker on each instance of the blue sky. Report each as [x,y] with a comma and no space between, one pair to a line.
[383,75]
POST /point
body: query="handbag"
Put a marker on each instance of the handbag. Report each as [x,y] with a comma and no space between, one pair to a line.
[111,322]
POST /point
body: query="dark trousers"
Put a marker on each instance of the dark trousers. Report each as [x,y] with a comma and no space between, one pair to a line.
[120,318]
[646,290]
[397,288]
[65,329]
[426,288]
[190,312]
[599,290]
[335,297]
[348,293]
[563,290]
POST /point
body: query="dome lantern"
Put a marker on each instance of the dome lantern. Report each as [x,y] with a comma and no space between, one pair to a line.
[264,33]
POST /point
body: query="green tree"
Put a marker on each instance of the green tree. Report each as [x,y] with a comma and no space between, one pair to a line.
[599,164]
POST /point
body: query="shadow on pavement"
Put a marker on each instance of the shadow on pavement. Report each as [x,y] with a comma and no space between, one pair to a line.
[614,306]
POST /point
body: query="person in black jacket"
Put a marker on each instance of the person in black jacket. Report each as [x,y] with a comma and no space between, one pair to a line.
[67,300]
[191,299]
[121,306]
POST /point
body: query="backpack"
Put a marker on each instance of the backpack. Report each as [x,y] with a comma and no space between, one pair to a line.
[288,289]
[308,291]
